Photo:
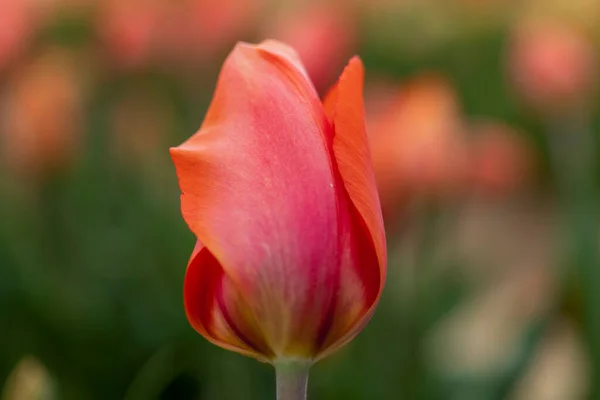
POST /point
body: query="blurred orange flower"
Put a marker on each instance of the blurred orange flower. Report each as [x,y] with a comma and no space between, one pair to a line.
[551,64]
[41,116]
[422,148]
[417,144]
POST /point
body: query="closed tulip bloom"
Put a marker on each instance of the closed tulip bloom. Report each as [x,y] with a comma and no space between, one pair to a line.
[278,188]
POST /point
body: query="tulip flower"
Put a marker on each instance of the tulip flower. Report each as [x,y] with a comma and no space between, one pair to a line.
[278,188]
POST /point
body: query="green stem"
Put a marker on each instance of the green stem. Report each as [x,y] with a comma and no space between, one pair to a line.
[292,379]
[575,157]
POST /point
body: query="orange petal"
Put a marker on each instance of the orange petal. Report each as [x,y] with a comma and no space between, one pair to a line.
[344,108]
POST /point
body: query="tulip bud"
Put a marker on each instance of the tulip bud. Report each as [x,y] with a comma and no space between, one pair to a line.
[278,188]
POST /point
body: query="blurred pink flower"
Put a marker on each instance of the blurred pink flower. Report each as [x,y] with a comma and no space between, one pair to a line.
[551,64]
[499,162]
[324,35]
[203,28]
[137,32]
[16,27]
[129,29]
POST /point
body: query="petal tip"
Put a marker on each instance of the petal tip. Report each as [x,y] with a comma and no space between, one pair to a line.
[355,59]
[354,66]
[178,152]
[276,46]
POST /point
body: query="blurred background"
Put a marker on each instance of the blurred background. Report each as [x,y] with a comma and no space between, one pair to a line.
[483,119]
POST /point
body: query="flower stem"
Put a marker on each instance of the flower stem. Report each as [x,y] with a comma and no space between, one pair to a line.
[574,152]
[292,379]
